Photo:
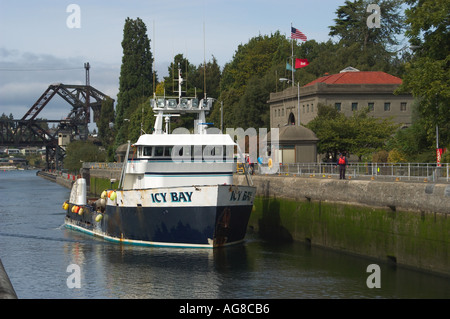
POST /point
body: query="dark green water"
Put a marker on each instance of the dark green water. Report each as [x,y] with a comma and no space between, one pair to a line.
[36,250]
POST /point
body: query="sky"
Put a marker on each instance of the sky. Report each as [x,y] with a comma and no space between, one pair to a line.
[47,41]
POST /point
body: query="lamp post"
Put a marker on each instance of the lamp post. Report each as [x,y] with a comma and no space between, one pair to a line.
[298,96]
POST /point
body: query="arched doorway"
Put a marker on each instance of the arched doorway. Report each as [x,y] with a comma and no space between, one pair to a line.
[291,119]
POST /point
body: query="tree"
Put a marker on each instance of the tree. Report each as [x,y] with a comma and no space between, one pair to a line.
[210,76]
[370,134]
[107,117]
[142,120]
[106,132]
[188,73]
[332,129]
[248,79]
[136,73]
[360,134]
[78,152]
[363,47]
[427,75]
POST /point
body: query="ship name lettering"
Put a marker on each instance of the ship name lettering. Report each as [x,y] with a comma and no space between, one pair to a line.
[240,196]
[159,197]
[181,196]
[174,197]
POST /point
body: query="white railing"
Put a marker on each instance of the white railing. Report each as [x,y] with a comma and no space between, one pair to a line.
[389,171]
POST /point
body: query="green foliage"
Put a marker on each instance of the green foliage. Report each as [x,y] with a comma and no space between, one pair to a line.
[248,79]
[360,134]
[78,152]
[136,74]
[330,126]
[427,75]
[351,24]
[142,119]
[107,116]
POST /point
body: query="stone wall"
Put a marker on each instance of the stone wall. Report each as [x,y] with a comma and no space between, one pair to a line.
[415,196]
[402,223]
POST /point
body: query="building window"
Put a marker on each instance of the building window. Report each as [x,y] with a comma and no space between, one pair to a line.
[282,112]
[403,106]
[337,106]
[307,108]
[387,106]
[275,113]
[303,109]
[354,106]
[312,107]
[371,106]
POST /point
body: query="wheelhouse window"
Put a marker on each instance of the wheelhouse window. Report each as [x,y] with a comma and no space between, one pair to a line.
[168,151]
[159,151]
[147,151]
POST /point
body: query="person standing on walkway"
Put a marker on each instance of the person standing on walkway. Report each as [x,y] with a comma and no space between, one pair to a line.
[342,163]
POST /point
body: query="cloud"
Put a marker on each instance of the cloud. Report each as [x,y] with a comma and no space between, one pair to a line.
[24,77]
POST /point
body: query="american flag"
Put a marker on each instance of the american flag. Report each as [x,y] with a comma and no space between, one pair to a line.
[297,34]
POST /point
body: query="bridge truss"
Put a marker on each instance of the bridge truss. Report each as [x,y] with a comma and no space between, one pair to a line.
[31,131]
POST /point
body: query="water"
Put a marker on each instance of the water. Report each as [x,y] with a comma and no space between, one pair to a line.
[36,251]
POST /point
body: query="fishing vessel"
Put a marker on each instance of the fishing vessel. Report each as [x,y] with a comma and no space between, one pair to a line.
[177,190]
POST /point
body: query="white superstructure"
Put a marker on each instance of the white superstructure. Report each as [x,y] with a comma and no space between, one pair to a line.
[161,159]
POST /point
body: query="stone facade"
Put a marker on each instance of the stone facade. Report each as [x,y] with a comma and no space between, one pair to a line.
[346,97]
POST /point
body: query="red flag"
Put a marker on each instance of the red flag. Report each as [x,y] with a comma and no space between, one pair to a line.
[300,63]
[439,152]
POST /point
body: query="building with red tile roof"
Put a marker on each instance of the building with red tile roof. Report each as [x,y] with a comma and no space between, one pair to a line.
[358,77]
[348,91]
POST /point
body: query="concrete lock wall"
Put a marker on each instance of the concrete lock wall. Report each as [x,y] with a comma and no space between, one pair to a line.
[404,223]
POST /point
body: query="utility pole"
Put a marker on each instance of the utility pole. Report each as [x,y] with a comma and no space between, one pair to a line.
[87,105]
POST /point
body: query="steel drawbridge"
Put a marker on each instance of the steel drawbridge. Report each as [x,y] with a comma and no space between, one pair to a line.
[31,131]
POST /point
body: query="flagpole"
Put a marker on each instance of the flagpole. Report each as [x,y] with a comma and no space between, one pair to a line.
[292,57]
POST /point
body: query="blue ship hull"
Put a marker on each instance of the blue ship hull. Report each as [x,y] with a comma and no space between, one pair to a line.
[181,227]
[165,223]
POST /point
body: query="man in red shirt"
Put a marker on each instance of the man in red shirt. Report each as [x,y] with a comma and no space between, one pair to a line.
[342,162]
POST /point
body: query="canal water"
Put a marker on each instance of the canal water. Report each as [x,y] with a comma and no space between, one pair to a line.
[38,254]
